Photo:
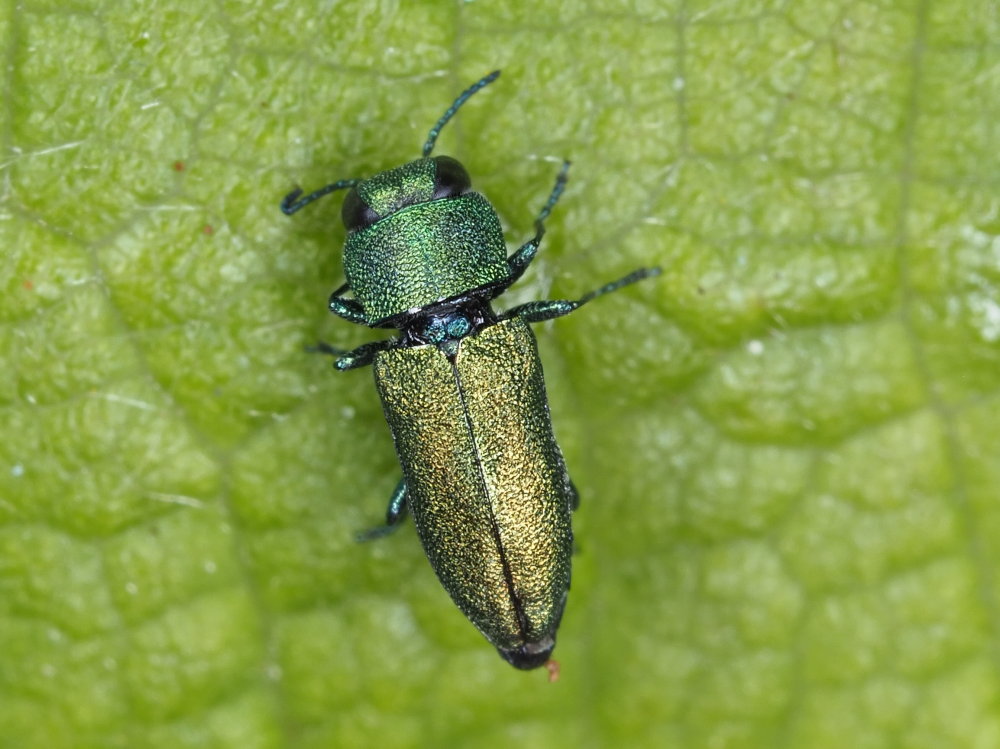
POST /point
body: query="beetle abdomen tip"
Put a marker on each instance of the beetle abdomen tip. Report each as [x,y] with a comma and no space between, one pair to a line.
[530,655]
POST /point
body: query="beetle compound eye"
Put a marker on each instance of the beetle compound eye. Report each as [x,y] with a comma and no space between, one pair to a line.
[356,213]
[450,179]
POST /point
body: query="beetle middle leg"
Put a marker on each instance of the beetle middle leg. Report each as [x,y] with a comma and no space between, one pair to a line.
[552,308]
[395,514]
[362,356]
[520,260]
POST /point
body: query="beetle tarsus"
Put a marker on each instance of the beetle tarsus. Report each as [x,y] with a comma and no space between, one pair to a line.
[373,534]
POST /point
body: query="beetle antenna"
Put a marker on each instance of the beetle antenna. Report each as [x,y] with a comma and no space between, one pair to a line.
[432,136]
[291,203]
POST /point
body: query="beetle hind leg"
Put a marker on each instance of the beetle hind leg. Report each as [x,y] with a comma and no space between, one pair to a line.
[574,495]
[395,514]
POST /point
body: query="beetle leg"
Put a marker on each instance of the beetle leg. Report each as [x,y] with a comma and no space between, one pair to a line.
[520,260]
[539,311]
[362,356]
[349,309]
[395,513]
[552,308]
[574,495]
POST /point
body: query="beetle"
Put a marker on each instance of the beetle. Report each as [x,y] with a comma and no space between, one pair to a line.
[461,388]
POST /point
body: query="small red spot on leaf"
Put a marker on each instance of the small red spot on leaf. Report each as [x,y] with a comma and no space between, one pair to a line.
[207,229]
[553,669]
[179,166]
[28,284]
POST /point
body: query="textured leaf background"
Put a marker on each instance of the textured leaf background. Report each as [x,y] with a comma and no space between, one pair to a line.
[787,444]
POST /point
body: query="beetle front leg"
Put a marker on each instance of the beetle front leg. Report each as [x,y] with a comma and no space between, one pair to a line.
[395,513]
[349,309]
[520,260]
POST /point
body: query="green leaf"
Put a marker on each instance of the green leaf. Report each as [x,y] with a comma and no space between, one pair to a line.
[786,445]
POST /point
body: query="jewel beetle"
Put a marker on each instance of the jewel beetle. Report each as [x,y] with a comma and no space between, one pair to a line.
[462,390]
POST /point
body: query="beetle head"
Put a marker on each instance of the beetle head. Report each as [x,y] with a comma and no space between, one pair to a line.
[421,181]
[417,234]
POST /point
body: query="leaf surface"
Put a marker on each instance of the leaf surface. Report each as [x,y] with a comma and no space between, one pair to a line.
[786,444]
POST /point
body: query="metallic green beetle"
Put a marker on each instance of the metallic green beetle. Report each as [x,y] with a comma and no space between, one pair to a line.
[462,389]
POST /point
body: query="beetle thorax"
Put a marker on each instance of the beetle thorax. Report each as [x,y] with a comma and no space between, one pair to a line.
[447,323]
[418,236]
